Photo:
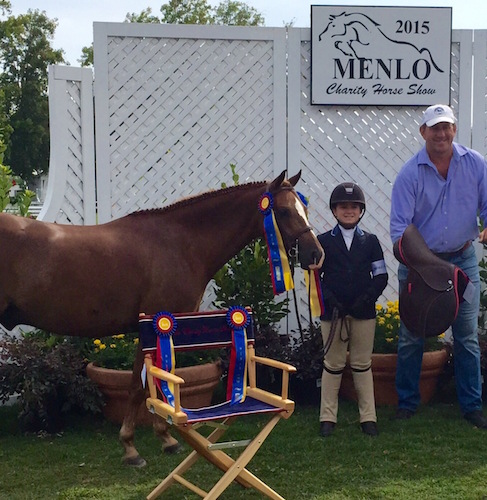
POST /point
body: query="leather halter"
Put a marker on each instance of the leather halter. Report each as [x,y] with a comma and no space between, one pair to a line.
[307,229]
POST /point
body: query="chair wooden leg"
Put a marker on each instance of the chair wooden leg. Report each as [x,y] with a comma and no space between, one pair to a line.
[238,469]
[184,466]
[234,470]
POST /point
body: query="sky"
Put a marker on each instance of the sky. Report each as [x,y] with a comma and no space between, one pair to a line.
[75,19]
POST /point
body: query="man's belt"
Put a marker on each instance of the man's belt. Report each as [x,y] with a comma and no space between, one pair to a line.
[456,253]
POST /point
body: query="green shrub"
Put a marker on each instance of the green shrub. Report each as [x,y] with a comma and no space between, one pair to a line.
[48,375]
[307,353]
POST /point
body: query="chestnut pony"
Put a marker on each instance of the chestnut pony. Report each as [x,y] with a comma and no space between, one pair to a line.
[93,281]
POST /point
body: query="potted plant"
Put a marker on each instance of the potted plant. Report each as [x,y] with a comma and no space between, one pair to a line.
[110,360]
[384,359]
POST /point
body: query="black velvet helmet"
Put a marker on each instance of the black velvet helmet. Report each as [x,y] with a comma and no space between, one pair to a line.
[347,192]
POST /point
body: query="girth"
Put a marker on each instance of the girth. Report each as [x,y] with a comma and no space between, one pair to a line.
[429,302]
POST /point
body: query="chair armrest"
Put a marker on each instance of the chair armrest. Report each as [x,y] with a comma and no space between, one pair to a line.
[273,399]
[171,379]
[274,364]
[164,375]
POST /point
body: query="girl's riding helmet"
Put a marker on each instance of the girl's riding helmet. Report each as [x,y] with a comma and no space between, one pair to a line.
[347,192]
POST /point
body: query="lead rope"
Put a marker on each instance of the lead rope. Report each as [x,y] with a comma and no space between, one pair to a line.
[334,322]
[347,322]
[331,334]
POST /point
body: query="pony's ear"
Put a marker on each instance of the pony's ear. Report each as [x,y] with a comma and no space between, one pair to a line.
[295,178]
[276,183]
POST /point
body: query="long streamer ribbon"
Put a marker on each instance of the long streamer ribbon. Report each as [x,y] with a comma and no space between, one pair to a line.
[238,319]
[316,303]
[282,280]
[165,325]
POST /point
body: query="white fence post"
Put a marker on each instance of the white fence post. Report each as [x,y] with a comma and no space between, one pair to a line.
[72,160]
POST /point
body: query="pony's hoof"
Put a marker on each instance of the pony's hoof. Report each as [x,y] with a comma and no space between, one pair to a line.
[173,449]
[137,461]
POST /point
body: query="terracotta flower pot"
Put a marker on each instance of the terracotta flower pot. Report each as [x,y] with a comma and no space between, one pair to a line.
[200,383]
[384,371]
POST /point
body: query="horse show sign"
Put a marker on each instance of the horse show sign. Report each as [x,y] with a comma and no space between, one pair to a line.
[380,55]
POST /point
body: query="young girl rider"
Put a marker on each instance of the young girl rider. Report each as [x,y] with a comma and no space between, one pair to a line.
[352,277]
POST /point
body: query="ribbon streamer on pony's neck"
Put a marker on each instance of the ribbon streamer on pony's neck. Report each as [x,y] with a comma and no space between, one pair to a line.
[282,280]
[164,323]
[238,319]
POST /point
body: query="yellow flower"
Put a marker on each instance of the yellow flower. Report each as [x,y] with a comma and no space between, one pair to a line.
[387,327]
[115,351]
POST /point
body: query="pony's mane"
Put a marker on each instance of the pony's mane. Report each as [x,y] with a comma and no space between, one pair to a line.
[191,200]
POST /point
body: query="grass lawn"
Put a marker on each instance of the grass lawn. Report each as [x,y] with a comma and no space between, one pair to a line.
[435,455]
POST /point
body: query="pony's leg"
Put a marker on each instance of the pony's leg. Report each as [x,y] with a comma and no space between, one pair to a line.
[137,395]
[161,430]
[127,432]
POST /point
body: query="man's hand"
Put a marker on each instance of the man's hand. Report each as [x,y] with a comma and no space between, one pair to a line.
[483,236]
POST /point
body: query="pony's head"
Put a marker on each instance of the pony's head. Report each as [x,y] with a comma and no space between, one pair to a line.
[292,218]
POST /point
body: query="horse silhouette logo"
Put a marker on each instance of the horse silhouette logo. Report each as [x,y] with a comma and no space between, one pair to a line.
[357,35]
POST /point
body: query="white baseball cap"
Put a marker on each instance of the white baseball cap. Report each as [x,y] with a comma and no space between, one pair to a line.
[436,114]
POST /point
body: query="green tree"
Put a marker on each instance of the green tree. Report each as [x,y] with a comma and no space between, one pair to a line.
[233,13]
[25,53]
[228,12]
[187,12]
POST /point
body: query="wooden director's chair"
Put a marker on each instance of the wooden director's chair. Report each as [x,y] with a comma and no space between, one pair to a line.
[164,333]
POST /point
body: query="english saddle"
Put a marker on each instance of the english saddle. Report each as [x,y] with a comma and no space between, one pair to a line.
[429,302]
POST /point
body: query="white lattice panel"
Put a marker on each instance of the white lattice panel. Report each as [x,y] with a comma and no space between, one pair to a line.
[181,109]
[479,133]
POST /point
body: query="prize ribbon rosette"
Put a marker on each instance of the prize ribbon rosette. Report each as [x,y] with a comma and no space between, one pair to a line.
[165,325]
[238,319]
